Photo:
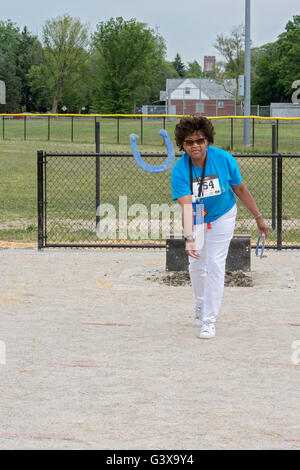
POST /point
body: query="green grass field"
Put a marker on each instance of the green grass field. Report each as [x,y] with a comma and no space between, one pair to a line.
[71,184]
[117,131]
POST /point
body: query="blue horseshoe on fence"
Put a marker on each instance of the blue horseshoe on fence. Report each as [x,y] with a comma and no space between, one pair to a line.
[152,168]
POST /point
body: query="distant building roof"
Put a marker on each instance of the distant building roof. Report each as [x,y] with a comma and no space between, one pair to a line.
[163,96]
[211,89]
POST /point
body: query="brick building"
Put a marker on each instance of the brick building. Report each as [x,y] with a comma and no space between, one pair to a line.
[205,96]
[209,64]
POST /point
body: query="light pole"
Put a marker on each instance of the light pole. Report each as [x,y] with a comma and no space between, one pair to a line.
[247,97]
[200,95]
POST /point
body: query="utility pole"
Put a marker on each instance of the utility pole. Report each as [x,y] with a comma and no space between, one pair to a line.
[247,97]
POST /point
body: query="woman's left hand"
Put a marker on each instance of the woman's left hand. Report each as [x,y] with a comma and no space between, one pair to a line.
[262,226]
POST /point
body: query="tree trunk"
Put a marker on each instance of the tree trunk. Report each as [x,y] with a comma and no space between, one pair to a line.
[57,96]
[54,104]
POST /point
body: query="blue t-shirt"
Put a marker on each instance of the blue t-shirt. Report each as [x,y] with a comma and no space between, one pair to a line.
[221,171]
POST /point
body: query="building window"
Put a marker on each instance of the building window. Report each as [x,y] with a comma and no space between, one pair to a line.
[220,104]
[187,91]
[200,107]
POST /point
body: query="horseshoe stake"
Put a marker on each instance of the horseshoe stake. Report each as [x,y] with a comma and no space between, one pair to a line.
[154,168]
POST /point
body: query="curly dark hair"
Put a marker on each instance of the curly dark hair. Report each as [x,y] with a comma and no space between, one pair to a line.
[188,125]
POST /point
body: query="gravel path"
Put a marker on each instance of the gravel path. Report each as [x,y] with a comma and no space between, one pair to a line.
[100,357]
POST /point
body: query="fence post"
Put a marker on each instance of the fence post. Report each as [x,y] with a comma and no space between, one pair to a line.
[253,125]
[141,129]
[97,136]
[118,130]
[72,128]
[3,127]
[48,127]
[97,139]
[40,202]
[24,127]
[164,122]
[279,203]
[231,137]
[274,150]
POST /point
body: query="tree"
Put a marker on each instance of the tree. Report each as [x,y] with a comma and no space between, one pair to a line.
[77,94]
[232,49]
[29,53]
[179,65]
[158,81]
[265,88]
[127,55]
[193,70]
[9,36]
[278,66]
[65,42]
[289,55]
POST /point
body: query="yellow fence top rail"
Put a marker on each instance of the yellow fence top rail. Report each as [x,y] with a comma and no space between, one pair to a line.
[148,115]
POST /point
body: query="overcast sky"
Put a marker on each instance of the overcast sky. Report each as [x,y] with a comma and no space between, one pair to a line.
[189,28]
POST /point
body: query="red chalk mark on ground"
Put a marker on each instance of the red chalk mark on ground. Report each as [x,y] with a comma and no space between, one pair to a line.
[106,324]
[73,364]
[294,324]
[34,435]
[292,438]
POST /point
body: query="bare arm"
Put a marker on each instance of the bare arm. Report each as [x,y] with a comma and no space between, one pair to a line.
[246,198]
[185,203]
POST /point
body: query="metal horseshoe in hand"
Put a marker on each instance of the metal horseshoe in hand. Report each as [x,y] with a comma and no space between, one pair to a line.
[151,168]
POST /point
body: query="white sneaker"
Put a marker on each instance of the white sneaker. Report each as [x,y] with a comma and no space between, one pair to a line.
[208,331]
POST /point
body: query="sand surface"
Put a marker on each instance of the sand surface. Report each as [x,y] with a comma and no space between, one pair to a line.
[100,356]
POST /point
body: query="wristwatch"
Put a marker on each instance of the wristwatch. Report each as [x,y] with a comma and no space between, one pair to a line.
[190,238]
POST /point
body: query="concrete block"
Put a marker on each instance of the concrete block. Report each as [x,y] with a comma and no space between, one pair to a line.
[238,259]
[239,254]
[176,257]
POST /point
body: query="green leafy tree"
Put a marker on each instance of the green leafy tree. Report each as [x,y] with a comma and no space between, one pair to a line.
[29,53]
[179,65]
[77,94]
[9,37]
[193,69]
[158,82]
[65,41]
[289,52]
[232,49]
[278,66]
[265,87]
[127,55]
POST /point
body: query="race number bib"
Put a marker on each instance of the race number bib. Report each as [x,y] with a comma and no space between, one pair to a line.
[210,186]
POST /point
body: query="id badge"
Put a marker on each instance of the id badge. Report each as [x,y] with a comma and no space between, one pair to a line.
[198,215]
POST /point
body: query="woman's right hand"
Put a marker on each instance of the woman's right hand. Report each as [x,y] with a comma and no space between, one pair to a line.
[190,248]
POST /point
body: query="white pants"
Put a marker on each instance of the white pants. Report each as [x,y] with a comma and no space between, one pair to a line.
[207,273]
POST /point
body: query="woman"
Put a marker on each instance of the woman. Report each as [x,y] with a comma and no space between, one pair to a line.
[212,177]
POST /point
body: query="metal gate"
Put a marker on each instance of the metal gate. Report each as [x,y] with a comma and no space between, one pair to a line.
[81,194]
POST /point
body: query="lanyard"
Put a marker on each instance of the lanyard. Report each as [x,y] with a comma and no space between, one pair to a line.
[200,183]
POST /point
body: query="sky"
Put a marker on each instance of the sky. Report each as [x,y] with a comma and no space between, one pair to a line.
[188,28]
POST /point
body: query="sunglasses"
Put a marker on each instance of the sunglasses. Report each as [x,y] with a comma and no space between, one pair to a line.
[196,141]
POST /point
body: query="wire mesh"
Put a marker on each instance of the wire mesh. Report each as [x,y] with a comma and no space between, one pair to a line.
[136,207]
[116,130]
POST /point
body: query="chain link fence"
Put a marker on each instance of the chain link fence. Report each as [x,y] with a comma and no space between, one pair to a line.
[108,200]
[115,129]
